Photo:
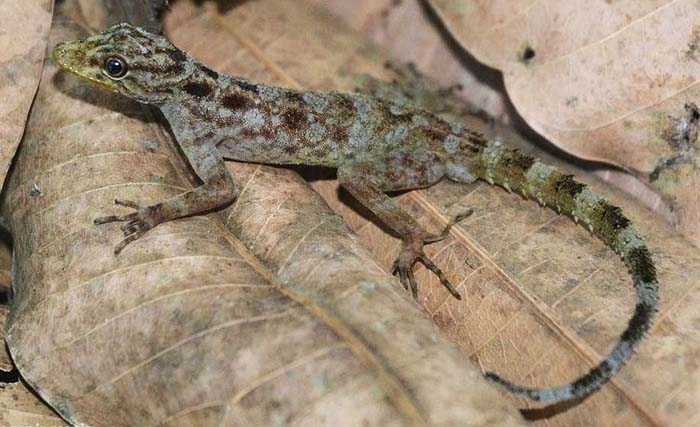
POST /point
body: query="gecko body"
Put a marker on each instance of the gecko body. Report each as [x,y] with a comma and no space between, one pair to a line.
[377,146]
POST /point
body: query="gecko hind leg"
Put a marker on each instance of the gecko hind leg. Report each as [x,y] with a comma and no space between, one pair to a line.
[368,181]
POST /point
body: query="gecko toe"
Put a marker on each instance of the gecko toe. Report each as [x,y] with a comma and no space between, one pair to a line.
[430,265]
[107,219]
[130,238]
[446,231]
[131,224]
[412,282]
[127,203]
[397,270]
[119,218]
[129,230]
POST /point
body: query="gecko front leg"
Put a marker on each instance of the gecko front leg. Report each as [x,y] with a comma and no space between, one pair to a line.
[368,181]
[217,190]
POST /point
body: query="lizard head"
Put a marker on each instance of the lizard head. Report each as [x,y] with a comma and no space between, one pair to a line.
[127,60]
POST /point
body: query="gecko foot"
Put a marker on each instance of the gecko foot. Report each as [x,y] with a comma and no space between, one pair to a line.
[135,225]
[412,252]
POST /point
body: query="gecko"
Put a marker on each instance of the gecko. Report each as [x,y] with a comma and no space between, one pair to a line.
[377,146]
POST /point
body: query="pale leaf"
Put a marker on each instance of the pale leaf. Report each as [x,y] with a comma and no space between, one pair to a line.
[24,26]
[20,407]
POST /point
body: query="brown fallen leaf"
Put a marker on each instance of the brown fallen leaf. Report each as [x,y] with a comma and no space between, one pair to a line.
[20,407]
[186,327]
[6,365]
[544,300]
[100,14]
[25,26]
[614,82]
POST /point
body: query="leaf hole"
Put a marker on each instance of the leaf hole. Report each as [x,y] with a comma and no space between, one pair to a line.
[528,54]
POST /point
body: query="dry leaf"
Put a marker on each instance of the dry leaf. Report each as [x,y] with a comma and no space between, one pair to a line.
[6,365]
[20,407]
[100,14]
[544,299]
[5,290]
[24,26]
[609,81]
[186,327]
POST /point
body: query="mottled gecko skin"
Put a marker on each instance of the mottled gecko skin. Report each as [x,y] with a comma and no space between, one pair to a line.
[377,146]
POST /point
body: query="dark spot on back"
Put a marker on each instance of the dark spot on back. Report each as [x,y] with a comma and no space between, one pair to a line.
[176,55]
[246,85]
[197,88]
[339,134]
[434,134]
[476,138]
[236,101]
[295,97]
[209,72]
[294,118]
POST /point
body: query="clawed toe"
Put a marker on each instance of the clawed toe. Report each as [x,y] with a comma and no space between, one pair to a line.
[396,270]
[403,267]
[446,231]
[406,277]
[106,219]
[129,238]
[430,265]
[127,203]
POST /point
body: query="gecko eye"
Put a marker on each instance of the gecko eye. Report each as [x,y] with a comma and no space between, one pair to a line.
[115,67]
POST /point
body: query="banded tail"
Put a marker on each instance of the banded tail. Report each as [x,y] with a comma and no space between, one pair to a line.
[517,172]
